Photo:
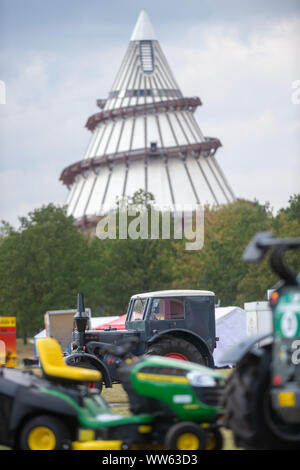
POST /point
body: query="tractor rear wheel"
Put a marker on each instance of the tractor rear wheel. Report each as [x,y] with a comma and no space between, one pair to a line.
[176,348]
[248,411]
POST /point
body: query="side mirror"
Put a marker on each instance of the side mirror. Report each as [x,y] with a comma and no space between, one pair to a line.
[258,247]
[260,244]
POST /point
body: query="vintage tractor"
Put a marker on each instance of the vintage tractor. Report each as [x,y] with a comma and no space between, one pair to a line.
[262,398]
[178,324]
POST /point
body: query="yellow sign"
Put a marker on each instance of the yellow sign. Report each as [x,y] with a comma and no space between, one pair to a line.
[286,399]
[8,321]
[8,341]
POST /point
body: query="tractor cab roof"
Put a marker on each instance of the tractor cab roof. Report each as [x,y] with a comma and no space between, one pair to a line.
[173,293]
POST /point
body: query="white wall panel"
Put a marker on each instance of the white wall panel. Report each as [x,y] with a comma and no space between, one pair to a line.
[166,131]
[136,177]
[98,191]
[115,186]
[70,194]
[183,191]
[203,191]
[126,135]
[216,187]
[79,210]
[180,137]
[139,134]
[195,126]
[93,137]
[152,131]
[114,138]
[184,120]
[105,137]
[158,183]
[98,133]
[78,186]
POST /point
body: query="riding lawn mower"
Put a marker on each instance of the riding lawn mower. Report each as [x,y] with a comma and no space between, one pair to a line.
[174,405]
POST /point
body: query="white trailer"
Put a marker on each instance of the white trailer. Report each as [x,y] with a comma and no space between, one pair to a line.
[258,318]
[59,325]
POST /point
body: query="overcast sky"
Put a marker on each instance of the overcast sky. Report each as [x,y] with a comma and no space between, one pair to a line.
[57,57]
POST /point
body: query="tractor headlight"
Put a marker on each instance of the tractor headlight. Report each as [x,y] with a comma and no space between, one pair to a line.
[197,379]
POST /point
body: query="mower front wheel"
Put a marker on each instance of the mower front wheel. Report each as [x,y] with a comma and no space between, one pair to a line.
[44,433]
[185,436]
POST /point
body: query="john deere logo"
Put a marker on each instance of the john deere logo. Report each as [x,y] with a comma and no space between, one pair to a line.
[289,324]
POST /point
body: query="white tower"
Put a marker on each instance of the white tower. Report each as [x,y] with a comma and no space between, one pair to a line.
[145,137]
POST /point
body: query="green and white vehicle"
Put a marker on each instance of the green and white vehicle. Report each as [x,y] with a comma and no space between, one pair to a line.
[262,398]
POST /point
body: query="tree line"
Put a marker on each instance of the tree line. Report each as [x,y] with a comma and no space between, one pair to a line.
[47,260]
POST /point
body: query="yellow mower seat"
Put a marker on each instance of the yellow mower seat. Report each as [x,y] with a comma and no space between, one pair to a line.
[54,367]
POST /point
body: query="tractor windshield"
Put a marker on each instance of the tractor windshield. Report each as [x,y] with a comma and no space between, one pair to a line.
[138,309]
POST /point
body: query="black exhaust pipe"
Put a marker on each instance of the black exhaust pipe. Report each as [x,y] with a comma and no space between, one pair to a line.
[81,320]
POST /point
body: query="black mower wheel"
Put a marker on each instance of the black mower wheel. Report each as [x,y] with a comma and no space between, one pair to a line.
[214,439]
[176,348]
[185,436]
[45,433]
[247,405]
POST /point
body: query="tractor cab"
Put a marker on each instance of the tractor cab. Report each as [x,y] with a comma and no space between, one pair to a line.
[162,311]
[178,324]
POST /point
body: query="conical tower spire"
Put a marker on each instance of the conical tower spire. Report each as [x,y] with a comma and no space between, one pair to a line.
[143,30]
[145,136]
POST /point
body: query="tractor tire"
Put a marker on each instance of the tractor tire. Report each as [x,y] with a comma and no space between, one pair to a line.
[45,432]
[185,436]
[247,406]
[176,348]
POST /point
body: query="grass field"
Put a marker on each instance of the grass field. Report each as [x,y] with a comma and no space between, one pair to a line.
[116,396]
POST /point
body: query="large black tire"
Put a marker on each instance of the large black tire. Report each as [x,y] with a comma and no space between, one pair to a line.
[185,436]
[177,348]
[44,432]
[248,411]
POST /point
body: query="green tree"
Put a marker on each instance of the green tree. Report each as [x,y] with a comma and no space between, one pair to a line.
[260,277]
[218,266]
[292,212]
[41,267]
